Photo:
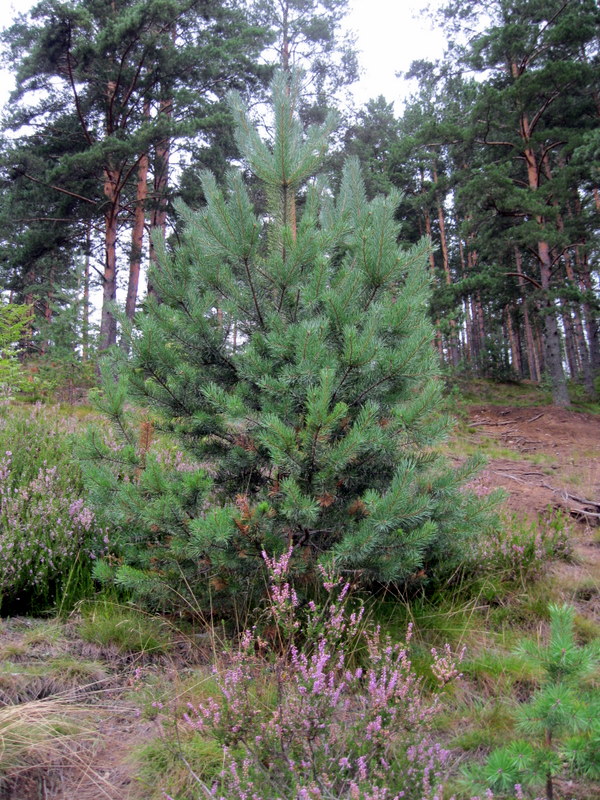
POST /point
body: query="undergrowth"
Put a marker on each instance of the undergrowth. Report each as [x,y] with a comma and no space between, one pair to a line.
[49,537]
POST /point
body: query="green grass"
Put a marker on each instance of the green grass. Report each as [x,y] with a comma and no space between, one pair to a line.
[125,629]
[482,724]
[498,672]
[480,391]
[173,760]
[524,394]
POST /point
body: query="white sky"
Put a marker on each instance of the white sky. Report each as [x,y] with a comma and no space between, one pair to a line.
[390,37]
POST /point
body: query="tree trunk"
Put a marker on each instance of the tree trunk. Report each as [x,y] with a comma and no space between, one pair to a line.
[158,219]
[589,314]
[112,190]
[577,352]
[446,266]
[438,337]
[552,352]
[514,345]
[137,237]
[467,352]
[85,315]
[108,323]
[570,349]
[582,347]
[532,359]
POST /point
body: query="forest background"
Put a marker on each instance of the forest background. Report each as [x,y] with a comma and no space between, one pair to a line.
[496,155]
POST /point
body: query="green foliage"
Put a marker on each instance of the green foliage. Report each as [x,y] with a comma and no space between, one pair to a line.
[48,537]
[13,322]
[558,708]
[291,357]
[164,762]
[110,624]
[522,549]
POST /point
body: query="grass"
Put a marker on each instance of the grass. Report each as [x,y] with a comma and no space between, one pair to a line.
[479,391]
[39,734]
[497,672]
[481,724]
[523,394]
[124,629]
[177,760]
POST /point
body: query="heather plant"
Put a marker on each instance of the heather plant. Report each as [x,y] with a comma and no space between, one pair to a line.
[48,536]
[521,549]
[322,704]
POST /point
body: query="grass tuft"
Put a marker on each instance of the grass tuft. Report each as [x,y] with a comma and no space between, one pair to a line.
[124,629]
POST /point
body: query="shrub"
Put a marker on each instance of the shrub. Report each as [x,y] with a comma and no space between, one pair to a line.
[327,706]
[14,319]
[48,536]
[522,549]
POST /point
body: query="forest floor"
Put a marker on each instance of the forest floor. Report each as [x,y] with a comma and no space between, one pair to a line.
[109,703]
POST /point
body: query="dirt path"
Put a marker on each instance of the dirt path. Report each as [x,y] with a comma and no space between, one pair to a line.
[552,458]
[549,458]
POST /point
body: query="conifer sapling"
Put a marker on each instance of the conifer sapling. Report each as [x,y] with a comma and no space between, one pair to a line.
[291,359]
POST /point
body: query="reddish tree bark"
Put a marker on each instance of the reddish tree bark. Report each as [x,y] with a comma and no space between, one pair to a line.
[137,237]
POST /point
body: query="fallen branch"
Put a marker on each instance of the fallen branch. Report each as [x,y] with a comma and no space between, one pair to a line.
[495,424]
[512,477]
[568,496]
[533,419]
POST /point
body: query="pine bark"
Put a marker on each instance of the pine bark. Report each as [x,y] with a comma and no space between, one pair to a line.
[137,236]
[108,323]
[85,315]
[552,350]
[158,218]
[513,341]
[532,357]
[453,347]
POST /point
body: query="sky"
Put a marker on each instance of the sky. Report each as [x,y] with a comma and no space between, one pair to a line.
[390,35]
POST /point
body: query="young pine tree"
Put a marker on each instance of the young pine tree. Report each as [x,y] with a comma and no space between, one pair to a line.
[290,358]
[562,705]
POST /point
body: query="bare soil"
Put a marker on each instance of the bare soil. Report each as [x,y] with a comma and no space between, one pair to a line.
[552,463]
[554,458]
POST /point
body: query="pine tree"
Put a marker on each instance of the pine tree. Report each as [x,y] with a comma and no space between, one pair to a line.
[290,357]
[560,705]
[531,109]
[108,87]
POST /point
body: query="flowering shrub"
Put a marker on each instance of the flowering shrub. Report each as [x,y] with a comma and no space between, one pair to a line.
[47,533]
[521,549]
[329,707]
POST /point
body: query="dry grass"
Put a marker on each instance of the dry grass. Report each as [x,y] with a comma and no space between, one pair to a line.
[38,736]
